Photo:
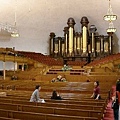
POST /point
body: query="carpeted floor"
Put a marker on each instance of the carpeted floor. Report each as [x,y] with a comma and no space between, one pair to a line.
[109,111]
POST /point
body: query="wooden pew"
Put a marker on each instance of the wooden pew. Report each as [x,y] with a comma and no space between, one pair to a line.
[5,118]
[53,110]
[63,105]
[26,98]
[87,85]
[63,102]
[81,104]
[47,95]
[95,103]
[39,116]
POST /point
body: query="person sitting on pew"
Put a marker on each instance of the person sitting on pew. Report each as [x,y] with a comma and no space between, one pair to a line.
[56,96]
[59,78]
[96,91]
[66,67]
[53,80]
[35,97]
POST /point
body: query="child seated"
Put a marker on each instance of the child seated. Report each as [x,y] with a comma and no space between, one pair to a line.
[56,96]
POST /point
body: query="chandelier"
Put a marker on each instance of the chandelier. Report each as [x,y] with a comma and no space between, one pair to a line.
[11,29]
[110,17]
[14,32]
[111,28]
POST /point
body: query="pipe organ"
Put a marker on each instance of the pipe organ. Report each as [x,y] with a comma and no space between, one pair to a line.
[80,44]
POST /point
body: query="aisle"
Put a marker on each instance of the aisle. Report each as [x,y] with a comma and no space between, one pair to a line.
[109,112]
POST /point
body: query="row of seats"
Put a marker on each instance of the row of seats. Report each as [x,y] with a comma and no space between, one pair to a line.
[22,107]
[105,59]
[74,106]
[45,59]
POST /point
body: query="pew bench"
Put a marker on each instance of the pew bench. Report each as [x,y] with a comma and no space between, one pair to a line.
[53,110]
[40,116]
[54,102]
[5,118]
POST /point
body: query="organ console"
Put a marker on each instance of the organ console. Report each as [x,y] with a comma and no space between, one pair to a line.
[84,44]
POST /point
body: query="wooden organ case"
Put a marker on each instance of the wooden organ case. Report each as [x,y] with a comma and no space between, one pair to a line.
[80,45]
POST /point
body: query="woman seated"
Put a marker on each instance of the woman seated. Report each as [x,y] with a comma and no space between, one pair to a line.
[96,91]
[56,96]
[35,97]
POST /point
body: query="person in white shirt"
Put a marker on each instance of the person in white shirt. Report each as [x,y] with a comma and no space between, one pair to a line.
[35,97]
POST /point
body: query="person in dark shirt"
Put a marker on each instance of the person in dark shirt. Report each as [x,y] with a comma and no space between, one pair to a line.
[55,96]
[96,91]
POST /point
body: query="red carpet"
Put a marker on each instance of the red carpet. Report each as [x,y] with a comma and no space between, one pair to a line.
[109,111]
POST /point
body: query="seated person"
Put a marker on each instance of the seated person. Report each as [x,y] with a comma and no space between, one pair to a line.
[63,80]
[96,91]
[66,67]
[54,80]
[58,79]
[56,96]
[35,97]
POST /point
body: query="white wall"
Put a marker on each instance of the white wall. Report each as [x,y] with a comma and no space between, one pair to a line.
[8,66]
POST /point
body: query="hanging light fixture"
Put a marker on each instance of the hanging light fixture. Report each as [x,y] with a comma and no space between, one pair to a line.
[15,32]
[110,16]
[7,27]
[11,29]
[111,27]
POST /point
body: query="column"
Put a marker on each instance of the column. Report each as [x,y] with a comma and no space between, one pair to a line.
[84,36]
[51,42]
[63,46]
[56,47]
[4,73]
[75,42]
[84,21]
[79,46]
[71,24]
[92,42]
[66,40]
[102,43]
[59,46]
[110,42]
[23,67]
[98,46]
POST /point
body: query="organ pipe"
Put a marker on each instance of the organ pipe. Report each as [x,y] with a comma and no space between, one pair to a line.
[84,39]
[70,40]
[71,24]
[93,43]
[80,44]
